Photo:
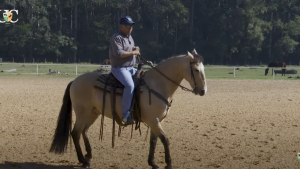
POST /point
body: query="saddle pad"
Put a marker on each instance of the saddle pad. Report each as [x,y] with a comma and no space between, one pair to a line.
[100,83]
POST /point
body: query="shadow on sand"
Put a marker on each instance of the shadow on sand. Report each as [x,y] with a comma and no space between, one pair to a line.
[32,165]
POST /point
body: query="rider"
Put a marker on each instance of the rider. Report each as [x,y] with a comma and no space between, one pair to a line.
[122,55]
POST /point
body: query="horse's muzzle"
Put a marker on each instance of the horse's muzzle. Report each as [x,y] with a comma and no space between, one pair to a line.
[202,92]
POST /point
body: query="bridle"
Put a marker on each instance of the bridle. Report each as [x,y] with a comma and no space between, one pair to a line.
[182,87]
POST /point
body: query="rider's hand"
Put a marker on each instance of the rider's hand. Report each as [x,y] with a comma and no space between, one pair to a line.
[136,48]
[136,52]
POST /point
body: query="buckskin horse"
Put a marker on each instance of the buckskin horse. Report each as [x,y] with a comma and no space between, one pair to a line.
[273,65]
[162,80]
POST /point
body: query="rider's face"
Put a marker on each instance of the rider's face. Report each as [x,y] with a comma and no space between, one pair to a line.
[126,29]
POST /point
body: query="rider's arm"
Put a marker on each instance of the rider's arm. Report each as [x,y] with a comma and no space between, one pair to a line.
[127,54]
[135,51]
[117,48]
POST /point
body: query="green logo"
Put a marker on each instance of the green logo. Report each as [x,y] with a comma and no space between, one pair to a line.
[8,16]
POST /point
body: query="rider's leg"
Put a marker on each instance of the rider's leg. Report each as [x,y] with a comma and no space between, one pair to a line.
[124,75]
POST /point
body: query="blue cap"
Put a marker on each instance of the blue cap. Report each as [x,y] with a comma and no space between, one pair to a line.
[126,20]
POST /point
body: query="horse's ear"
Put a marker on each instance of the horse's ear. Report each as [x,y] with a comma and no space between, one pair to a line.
[191,57]
[194,52]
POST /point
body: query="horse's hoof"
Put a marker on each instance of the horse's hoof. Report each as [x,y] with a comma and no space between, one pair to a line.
[169,167]
[87,158]
[155,166]
[86,165]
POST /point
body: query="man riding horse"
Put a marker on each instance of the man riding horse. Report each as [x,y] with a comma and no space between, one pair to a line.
[122,55]
[160,82]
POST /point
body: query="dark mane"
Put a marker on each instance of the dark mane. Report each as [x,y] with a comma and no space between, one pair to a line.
[198,58]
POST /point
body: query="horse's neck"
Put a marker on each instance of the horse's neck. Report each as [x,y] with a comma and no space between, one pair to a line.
[172,69]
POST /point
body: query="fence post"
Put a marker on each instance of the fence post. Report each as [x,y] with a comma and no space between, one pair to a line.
[233,72]
[273,73]
[37,69]
[76,70]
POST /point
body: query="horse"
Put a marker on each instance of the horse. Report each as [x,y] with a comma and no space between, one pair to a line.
[106,62]
[81,96]
[276,64]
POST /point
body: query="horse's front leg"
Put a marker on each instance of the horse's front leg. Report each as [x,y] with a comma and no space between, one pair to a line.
[157,131]
[153,140]
[166,143]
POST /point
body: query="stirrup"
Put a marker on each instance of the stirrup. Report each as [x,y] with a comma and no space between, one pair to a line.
[128,121]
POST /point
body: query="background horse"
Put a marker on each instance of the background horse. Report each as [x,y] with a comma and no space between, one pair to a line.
[282,65]
[85,99]
[106,62]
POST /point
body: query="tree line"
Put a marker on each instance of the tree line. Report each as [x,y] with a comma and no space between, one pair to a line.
[227,32]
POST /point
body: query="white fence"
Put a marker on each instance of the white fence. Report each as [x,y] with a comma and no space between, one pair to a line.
[77,69]
[38,69]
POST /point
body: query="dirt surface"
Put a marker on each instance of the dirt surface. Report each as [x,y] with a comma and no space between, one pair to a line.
[238,124]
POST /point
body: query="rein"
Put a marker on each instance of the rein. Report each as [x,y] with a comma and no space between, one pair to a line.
[182,87]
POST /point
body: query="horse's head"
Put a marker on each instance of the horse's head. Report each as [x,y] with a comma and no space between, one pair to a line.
[266,71]
[194,73]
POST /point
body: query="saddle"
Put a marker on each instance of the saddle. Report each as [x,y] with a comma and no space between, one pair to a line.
[108,83]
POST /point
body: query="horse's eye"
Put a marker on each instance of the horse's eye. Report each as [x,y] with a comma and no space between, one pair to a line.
[197,70]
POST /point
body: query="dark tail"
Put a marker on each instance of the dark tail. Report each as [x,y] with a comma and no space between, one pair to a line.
[62,131]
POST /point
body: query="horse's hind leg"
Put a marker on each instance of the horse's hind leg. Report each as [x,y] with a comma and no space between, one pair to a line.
[76,133]
[153,140]
[87,144]
[283,72]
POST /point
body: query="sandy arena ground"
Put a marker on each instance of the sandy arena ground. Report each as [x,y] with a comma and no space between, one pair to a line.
[238,124]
